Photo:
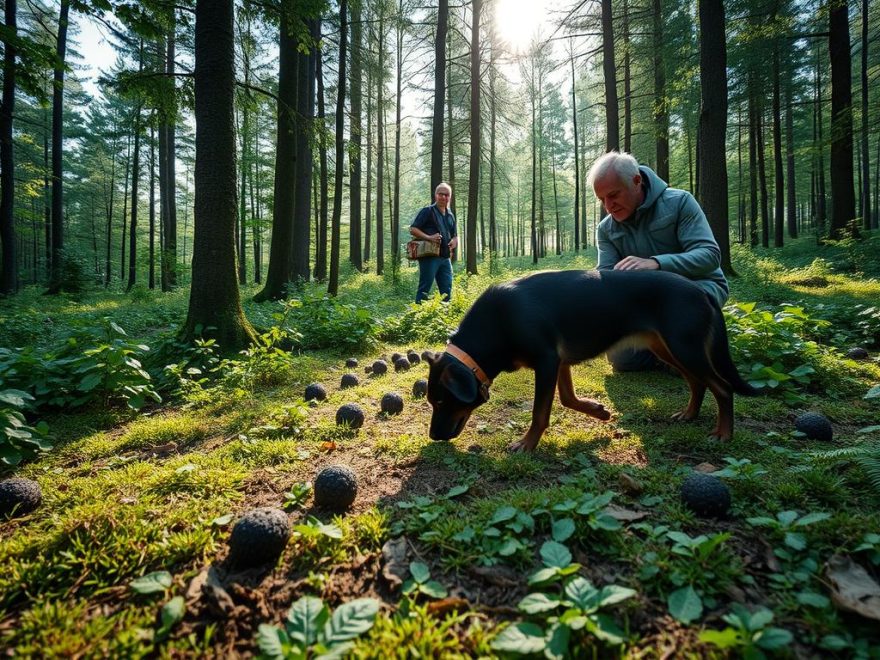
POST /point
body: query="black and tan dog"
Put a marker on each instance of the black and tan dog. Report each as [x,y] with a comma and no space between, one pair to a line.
[550,321]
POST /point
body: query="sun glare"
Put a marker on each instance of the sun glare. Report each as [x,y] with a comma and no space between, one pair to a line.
[518,22]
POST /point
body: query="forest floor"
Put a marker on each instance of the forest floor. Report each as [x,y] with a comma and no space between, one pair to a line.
[581,549]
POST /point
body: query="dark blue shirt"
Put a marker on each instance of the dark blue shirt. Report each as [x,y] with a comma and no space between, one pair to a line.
[431,221]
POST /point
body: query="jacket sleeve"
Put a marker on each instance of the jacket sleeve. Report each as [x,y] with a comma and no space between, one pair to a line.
[419,221]
[700,254]
[608,254]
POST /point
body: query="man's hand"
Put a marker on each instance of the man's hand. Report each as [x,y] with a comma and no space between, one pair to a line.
[636,263]
[435,238]
[453,243]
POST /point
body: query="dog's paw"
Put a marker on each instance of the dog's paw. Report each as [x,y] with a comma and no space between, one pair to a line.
[602,414]
[718,436]
[520,447]
[684,416]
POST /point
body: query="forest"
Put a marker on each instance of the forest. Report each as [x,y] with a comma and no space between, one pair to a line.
[206,317]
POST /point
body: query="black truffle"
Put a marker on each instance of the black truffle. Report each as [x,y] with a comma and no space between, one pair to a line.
[857,353]
[351,363]
[413,357]
[350,415]
[349,380]
[315,391]
[420,388]
[19,497]
[380,367]
[814,426]
[401,364]
[335,487]
[395,357]
[259,537]
[705,495]
[392,403]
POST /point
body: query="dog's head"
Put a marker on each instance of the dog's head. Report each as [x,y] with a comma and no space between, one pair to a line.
[453,392]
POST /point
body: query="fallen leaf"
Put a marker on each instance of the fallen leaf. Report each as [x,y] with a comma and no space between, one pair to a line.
[166,448]
[328,445]
[852,589]
[622,514]
[630,485]
[396,568]
[207,585]
[447,605]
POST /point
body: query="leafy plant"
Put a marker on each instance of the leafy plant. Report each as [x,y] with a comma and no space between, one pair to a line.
[18,440]
[312,630]
[786,525]
[748,633]
[740,469]
[421,582]
[327,322]
[581,619]
[298,495]
[871,545]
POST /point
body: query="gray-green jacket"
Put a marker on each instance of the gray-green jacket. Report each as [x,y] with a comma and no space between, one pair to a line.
[670,227]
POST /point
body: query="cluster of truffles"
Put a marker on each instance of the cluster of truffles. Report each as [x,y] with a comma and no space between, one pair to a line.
[352,415]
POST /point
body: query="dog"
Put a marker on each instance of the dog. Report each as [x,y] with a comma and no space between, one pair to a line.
[549,321]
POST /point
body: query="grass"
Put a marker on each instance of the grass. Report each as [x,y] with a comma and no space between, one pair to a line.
[126,494]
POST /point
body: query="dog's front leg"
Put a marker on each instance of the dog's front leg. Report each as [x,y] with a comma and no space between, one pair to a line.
[545,387]
[571,400]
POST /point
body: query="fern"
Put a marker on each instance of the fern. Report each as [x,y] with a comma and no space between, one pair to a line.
[871,465]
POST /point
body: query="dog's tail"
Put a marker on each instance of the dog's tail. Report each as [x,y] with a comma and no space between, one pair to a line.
[720,355]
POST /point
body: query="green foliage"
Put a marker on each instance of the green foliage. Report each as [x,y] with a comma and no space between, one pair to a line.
[431,321]
[327,322]
[18,440]
[421,582]
[312,630]
[748,634]
[775,345]
[786,525]
[581,618]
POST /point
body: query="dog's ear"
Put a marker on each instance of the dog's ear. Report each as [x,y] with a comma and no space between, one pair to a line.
[461,382]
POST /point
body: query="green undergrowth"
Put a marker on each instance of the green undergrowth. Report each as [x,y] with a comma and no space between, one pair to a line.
[582,549]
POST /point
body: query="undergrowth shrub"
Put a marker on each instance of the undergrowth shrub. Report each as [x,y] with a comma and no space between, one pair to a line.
[18,440]
[431,321]
[326,322]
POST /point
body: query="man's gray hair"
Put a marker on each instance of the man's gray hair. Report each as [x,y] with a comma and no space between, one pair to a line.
[619,162]
[445,185]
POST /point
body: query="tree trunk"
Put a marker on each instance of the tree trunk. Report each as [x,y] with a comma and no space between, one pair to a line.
[762,176]
[333,287]
[791,192]
[474,178]
[368,209]
[305,108]
[135,178]
[713,124]
[627,86]
[661,104]
[380,149]
[214,304]
[439,94]
[9,272]
[753,163]
[866,157]
[281,246]
[612,112]
[779,181]
[323,203]
[168,175]
[493,225]
[152,208]
[843,211]
[55,283]
[395,208]
[821,197]
[356,128]
[577,160]
[533,94]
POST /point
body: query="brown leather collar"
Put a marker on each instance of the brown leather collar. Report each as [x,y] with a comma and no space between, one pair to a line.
[470,363]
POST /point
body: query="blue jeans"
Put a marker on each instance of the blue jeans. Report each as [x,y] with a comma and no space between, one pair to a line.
[434,268]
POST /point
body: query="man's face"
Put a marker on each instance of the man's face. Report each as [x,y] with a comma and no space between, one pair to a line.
[620,197]
[442,195]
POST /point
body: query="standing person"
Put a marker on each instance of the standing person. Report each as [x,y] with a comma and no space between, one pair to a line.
[436,223]
[651,226]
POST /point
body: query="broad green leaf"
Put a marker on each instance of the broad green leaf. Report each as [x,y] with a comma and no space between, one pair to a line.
[90,382]
[812,599]
[222,521]
[172,612]
[15,398]
[455,491]
[774,638]
[542,575]
[685,604]
[538,602]
[582,593]
[761,521]
[613,593]
[723,639]
[273,642]
[873,393]
[869,429]
[509,547]
[557,642]
[520,638]
[795,540]
[305,618]
[433,589]
[761,618]
[811,518]
[420,572]
[787,517]
[502,514]
[330,530]
[350,620]
[606,629]
[151,583]
[555,554]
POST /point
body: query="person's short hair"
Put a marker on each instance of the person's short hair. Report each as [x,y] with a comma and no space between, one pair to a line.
[443,184]
[619,162]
